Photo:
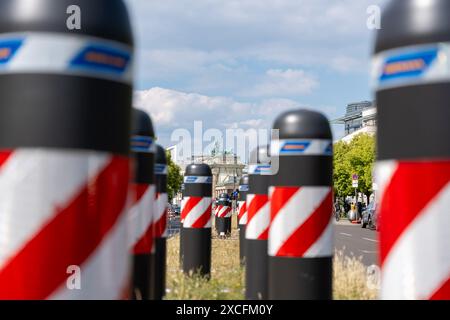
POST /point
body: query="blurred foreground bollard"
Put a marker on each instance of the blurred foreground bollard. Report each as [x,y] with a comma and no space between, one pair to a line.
[301,229]
[197,219]
[242,215]
[142,211]
[258,222]
[158,257]
[412,83]
[64,141]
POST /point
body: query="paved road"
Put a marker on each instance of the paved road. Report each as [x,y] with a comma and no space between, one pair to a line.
[356,241]
[350,238]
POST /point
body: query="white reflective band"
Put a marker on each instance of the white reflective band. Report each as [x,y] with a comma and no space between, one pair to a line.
[197,179]
[260,169]
[412,65]
[301,147]
[243,187]
[56,53]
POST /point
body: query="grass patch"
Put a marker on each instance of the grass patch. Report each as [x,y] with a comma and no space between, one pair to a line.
[227,276]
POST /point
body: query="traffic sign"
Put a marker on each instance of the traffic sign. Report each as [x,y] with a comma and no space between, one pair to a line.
[355,180]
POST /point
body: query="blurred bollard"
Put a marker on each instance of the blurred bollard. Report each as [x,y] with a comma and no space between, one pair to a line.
[158,257]
[141,214]
[411,78]
[242,215]
[301,230]
[258,222]
[196,205]
[64,141]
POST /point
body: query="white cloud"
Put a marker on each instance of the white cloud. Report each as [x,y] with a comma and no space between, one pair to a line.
[226,45]
[277,82]
[171,109]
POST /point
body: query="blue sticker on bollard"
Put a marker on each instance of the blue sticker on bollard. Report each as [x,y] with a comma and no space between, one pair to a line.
[8,49]
[294,147]
[142,144]
[260,169]
[197,179]
[160,169]
[411,65]
[243,187]
[101,58]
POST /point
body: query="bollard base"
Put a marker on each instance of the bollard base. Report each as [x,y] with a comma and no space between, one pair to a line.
[256,269]
[221,225]
[197,251]
[141,277]
[242,246]
[300,278]
[158,268]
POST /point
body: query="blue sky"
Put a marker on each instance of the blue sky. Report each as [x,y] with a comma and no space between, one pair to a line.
[242,62]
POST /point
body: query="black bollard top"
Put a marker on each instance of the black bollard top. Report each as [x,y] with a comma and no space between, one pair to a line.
[243,180]
[160,155]
[260,155]
[106,19]
[198,170]
[411,22]
[142,124]
[303,124]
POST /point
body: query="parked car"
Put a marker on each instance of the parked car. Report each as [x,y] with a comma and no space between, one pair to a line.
[175,209]
[369,216]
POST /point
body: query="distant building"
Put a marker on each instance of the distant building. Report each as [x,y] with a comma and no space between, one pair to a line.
[360,117]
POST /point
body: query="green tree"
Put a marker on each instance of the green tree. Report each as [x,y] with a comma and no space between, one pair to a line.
[174,178]
[355,157]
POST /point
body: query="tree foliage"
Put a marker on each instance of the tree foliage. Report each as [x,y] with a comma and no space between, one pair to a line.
[174,178]
[358,157]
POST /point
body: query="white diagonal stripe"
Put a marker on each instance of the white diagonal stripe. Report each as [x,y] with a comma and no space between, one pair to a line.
[140,216]
[33,184]
[383,174]
[259,223]
[323,247]
[160,206]
[419,262]
[197,212]
[104,275]
[294,213]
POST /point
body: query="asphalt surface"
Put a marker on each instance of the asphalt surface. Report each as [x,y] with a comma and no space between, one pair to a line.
[350,238]
[356,241]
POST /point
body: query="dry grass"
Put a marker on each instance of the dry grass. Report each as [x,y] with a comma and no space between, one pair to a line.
[350,279]
[227,276]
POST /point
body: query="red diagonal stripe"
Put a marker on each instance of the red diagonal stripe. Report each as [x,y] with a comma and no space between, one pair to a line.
[76,231]
[145,243]
[310,231]
[412,187]
[258,201]
[139,190]
[242,210]
[160,225]
[279,198]
[190,204]
[225,212]
[264,235]
[4,156]
[443,293]
[203,219]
